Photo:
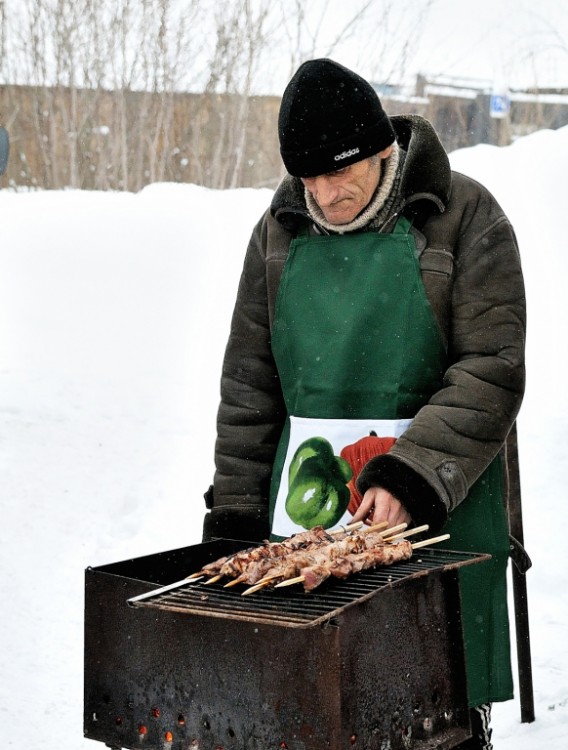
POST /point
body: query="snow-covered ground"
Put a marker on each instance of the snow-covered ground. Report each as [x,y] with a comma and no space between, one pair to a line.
[114,311]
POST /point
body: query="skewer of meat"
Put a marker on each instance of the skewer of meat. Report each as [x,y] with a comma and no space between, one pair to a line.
[387,554]
[312,570]
[241,561]
[367,538]
[349,545]
[233,565]
[290,566]
[270,567]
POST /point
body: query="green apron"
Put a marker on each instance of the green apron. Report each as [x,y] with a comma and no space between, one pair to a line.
[358,351]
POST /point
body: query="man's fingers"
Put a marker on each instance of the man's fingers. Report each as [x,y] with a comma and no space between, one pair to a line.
[379,505]
[364,509]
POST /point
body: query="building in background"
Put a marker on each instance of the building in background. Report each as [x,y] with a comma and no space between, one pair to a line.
[95,139]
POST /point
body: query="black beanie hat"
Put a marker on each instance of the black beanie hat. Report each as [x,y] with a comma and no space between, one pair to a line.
[329,118]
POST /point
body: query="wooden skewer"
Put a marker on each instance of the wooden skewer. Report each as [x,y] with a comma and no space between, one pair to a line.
[235,581]
[243,579]
[375,527]
[214,579]
[256,587]
[404,534]
[393,529]
[268,578]
[273,577]
[193,576]
[349,527]
[427,542]
[416,545]
[290,582]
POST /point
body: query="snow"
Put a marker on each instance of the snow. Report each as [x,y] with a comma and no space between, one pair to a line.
[114,312]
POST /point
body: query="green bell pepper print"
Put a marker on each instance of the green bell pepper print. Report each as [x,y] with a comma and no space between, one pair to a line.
[318,494]
[315,446]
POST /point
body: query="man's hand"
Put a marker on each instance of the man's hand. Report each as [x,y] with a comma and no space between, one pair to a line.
[379,505]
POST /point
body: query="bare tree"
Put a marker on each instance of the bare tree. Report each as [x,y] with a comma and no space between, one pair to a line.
[119,93]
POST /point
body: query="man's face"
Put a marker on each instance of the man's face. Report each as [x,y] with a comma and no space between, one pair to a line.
[343,194]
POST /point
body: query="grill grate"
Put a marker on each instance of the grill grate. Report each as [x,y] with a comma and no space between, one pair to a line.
[292,607]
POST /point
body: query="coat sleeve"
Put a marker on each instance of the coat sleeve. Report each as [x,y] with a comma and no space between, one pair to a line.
[251,413]
[461,429]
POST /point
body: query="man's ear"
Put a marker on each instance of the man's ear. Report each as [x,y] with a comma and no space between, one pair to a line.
[386,152]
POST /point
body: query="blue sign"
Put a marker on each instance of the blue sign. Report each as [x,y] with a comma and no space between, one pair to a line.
[500,105]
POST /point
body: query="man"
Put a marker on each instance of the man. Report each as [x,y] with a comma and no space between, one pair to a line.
[376,359]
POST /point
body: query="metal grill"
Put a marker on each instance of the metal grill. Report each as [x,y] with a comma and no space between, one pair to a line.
[292,607]
[369,662]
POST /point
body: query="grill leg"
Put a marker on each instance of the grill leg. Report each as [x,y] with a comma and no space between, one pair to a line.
[481,731]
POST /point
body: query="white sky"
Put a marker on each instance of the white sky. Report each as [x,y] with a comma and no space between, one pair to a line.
[522,42]
[517,42]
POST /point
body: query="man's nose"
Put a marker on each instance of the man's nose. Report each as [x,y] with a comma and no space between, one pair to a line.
[324,191]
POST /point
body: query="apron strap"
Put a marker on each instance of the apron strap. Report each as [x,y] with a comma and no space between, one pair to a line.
[403,225]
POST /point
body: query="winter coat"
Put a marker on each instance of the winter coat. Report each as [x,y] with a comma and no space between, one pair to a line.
[472,276]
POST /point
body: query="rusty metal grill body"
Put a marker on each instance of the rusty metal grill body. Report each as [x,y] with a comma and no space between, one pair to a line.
[372,663]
